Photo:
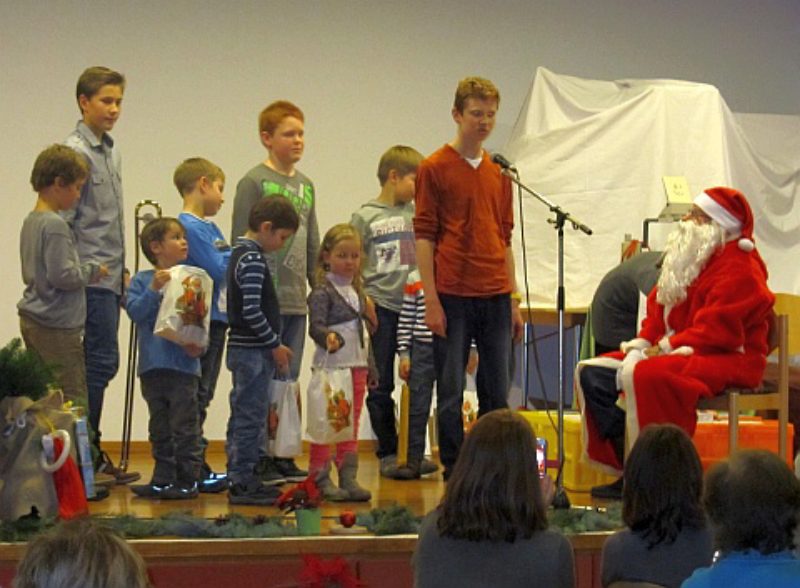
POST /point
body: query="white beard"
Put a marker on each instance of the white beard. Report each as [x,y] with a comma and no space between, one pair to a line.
[688,249]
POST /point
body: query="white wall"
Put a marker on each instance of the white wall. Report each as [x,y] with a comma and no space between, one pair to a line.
[367,74]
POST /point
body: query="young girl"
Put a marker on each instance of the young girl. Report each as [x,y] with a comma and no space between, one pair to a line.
[337,306]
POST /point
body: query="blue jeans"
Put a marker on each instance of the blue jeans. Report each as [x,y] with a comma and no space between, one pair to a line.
[379,400]
[101,349]
[210,364]
[420,385]
[488,322]
[252,369]
[293,335]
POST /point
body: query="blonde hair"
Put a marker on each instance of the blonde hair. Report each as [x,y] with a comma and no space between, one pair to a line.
[475,87]
[404,160]
[191,170]
[81,554]
[335,235]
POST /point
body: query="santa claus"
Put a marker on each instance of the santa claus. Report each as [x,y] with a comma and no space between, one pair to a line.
[705,330]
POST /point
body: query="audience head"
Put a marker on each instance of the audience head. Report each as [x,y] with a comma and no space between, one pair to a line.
[753,502]
[663,485]
[80,554]
[494,490]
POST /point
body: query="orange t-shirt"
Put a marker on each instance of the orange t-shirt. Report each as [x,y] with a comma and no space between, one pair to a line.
[467,213]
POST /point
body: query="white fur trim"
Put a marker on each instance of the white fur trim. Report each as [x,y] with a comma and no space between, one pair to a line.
[631,411]
[664,344]
[718,213]
[638,343]
[684,350]
[746,244]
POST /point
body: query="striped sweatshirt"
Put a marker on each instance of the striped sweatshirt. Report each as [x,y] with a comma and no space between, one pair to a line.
[411,325]
[253,310]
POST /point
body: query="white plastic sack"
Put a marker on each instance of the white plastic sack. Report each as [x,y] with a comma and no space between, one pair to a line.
[330,406]
[284,426]
[185,313]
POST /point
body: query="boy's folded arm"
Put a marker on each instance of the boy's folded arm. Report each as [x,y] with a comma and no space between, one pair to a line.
[60,267]
[143,302]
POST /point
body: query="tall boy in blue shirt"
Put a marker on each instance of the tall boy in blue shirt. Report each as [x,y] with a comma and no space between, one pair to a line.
[255,353]
[169,373]
[200,184]
[99,229]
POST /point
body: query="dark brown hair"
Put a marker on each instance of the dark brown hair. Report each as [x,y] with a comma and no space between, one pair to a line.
[277,210]
[663,484]
[493,492]
[58,161]
[156,230]
[753,501]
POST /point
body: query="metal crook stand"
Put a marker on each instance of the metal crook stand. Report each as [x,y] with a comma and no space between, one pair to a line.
[133,351]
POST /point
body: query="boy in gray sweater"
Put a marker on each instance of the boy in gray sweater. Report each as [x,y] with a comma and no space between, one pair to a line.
[52,311]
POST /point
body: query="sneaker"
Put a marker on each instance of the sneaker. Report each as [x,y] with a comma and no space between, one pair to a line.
[100,493]
[266,471]
[389,467]
[255,493]
[427,467]
[180,491]
[612,491]
[148,490]
[213,483]
[106,466]
[410,471]
[289,470]
[104,480]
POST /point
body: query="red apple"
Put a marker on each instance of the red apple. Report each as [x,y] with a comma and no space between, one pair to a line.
[347,518]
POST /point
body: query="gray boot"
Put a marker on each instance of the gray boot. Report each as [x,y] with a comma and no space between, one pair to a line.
[327,487]
[348,482]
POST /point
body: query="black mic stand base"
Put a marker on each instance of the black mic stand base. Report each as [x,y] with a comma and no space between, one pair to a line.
[560,499]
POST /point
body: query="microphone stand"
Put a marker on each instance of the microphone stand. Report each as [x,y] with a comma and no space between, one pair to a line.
[560,499]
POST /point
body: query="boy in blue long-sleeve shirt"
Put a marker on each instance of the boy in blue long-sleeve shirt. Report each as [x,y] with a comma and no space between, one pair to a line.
[255,351]
[200,184]
[169,373]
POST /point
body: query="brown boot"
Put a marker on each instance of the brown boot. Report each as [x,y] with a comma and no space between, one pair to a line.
[327,487]
[348,482]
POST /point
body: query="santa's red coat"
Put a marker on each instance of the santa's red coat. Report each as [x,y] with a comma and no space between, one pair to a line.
[718,338]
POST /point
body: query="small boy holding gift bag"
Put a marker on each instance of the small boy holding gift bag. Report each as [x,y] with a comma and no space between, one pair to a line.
[169,371]
[343,365]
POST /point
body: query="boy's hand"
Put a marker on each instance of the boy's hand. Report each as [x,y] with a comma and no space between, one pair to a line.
[472,361]
[435,318]
[102,272]
[282,355]
[160,277]
[516,322]
[332,342]
[193,350]
[372,380]
[404,369]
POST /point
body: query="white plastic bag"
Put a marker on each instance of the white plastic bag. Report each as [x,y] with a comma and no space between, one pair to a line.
[285,432]
[185,313]
[330,406]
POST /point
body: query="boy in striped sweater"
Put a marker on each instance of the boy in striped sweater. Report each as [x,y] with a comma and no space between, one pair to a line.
[255,351]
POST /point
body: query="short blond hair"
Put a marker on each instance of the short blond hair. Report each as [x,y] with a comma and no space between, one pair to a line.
[475,87]
[191,170]
[404,160]
[82,553]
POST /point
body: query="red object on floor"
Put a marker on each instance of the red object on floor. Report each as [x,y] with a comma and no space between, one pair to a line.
[69,486]
[711,438]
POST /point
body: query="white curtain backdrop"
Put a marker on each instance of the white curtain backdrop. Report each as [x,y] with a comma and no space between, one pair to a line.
[599,149]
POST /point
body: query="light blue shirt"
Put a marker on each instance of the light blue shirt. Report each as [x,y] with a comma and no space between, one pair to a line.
[97,221]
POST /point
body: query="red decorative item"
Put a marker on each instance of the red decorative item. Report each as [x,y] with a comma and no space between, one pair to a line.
[69,486]
[334,573]
[303,495]
[347,518]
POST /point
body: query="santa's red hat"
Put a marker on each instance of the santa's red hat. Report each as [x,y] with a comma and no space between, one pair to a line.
[729,209]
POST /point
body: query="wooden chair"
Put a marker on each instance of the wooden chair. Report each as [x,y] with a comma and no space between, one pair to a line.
[771,395]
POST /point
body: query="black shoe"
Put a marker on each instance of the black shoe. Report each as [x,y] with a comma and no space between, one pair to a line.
[427,466]
[180,491]
[100,493]
[410,471]
[213,483]
[106,466]
[612,491]
[148,490]
[289,470]
[254,493]
[266,471]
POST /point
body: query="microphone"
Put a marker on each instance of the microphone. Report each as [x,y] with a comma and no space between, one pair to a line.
[503,162]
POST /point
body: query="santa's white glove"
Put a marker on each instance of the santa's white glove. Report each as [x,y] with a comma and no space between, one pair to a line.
[666,348]
[634,344]
[627,365]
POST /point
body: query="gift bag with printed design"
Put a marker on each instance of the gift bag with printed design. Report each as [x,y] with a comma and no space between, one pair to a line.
[330,406]
[185,313]
[285,432]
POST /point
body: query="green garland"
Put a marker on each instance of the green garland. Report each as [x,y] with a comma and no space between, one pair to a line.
[394,520]
[23,373]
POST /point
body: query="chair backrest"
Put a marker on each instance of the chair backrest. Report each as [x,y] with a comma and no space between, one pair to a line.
[789,304]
